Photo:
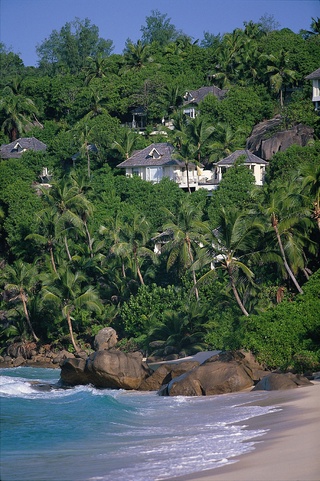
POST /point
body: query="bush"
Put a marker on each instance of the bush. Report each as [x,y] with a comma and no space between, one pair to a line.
[288,336]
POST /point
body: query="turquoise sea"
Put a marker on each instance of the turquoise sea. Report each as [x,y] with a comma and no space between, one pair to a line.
[88,434]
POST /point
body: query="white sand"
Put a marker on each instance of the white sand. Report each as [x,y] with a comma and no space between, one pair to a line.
[290,451]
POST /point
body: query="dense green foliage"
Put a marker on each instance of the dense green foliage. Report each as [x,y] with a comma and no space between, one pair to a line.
[237,269]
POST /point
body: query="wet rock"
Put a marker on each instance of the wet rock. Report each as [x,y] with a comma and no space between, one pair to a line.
[106,369]
[73,372]
[275,382]
[165,373]
[222,373]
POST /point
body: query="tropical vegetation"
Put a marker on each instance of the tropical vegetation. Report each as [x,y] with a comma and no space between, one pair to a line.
[237,269]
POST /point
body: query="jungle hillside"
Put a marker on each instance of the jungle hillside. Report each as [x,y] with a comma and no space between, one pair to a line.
[238,268]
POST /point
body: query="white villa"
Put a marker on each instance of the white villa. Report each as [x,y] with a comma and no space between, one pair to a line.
[157,161]
[315,77]
[250,160]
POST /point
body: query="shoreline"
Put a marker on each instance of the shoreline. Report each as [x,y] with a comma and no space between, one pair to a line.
[289,451]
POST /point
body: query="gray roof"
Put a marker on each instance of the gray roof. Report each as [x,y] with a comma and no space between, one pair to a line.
[314,75]
[250,158]
[198,95]
[17,147]
[157,154]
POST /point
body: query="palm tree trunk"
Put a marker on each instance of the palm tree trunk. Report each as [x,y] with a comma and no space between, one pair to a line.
[67,248]
[76,347]
[88,161]
[123,270]
[286,265]
[193,272]
[139,273]
[26,313]
[52,260]
[236,295]
[188,182]
[89,238]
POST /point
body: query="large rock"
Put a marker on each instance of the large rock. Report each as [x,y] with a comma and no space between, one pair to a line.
[106,369]
[105,339]
[275,382]
[165,373]
[73,372]
[266,139]
[223,373]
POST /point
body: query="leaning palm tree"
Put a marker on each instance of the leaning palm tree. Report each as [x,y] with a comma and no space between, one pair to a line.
[20,282]
[285,210]
[230,247]
[70,291]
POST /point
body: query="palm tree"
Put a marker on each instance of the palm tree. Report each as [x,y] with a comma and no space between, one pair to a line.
[137,55]
[17,110]
[289,219]
[136,234]
[69,204]
[279,73]
[179,332]
[199,133]
[225,141]
[20,282]
[69,291]
[96,68]
[185,229]
[186,153]
[96,105]
[229,247]
[172,98]
[311,185]
[126,144]
[127,237]
[115,240]
[85,137]
[47,236]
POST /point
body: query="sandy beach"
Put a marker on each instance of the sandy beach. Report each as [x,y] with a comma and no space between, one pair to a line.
[290,451]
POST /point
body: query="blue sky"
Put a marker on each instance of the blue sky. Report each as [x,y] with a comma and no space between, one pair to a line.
[27,23]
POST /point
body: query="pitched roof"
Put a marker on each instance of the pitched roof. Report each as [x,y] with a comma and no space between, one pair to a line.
[250,158]
[17,147]
[157,154]
[314,75]
[196,96]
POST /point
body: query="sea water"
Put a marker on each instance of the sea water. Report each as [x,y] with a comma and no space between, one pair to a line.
[89,434]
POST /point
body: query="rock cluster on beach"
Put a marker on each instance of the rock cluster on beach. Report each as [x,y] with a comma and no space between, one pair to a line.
[108,367]
[220,373]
